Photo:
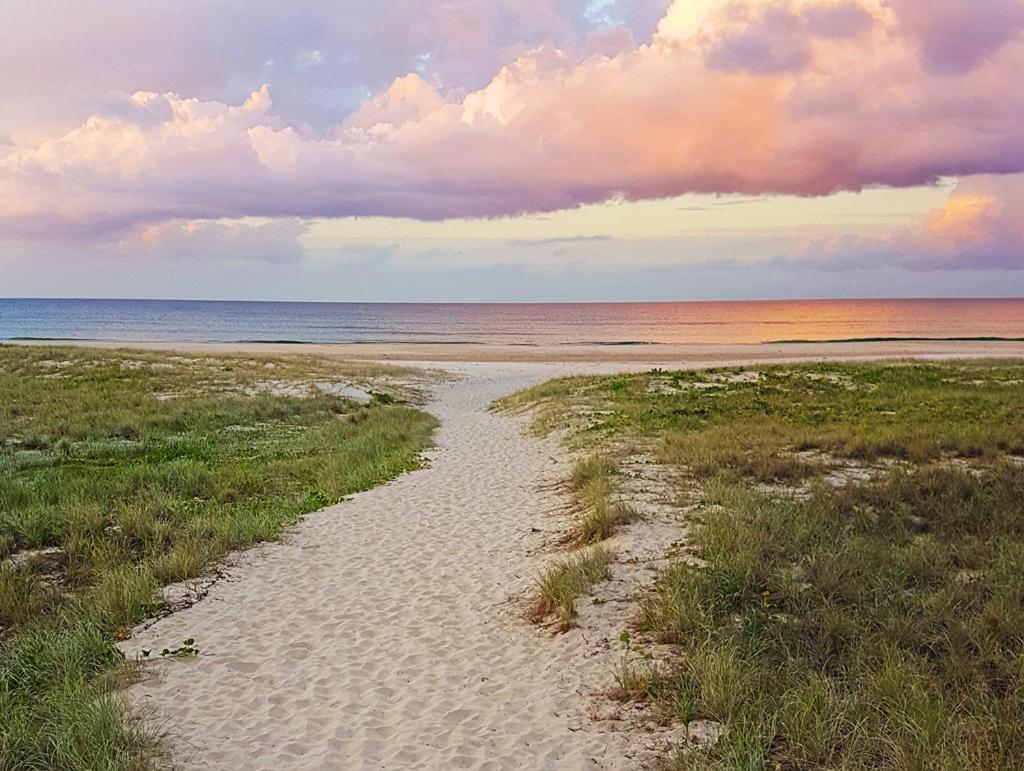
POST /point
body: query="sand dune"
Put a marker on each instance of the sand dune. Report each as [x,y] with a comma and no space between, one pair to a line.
[381,633]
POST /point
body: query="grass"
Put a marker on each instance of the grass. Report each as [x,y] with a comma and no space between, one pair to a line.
[591,485]
[143,469]
[879,624]
[560,585]
[736,421]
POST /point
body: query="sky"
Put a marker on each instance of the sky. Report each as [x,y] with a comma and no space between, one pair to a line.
[512,150]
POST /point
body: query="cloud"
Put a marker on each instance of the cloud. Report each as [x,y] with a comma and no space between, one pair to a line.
[774,96]
[205,241]
[957,35]
[778,37]
[216,51]
[535,242]
[408,98]
[979,227]
[836,19]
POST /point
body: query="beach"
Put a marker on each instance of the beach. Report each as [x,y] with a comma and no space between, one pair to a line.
[388,631]
[512,386]
[392,630]
[637,356]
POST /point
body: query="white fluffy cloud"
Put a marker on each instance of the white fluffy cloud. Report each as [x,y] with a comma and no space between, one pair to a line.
[755,96]
[62,61]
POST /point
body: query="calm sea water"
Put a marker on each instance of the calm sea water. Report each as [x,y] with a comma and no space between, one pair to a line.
[525,324]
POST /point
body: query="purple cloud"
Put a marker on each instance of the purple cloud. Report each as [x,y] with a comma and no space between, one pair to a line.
[957,35]
[980,226]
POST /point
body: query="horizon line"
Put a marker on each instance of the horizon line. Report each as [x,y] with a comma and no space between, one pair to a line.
[916,298]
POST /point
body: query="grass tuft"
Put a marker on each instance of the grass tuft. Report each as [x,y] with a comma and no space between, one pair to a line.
[591,484]
[560,585]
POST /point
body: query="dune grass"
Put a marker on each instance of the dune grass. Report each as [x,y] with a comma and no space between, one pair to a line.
[877,624]
[135,470]
[561,584]
[591,485]
[745,422]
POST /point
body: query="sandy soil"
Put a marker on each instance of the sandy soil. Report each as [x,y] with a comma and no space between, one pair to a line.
[675,354]
[388,631]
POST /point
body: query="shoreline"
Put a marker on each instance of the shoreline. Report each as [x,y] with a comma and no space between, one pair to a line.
[686,354]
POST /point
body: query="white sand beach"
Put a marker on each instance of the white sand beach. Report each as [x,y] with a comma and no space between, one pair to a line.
[660,354]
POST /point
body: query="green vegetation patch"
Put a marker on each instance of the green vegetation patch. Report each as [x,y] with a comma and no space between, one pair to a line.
[591,485]
[560,585]
[123,471]
[735,421]
[880,625]
[870,620]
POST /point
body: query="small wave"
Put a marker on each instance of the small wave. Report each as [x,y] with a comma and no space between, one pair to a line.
[612,342]
[978,339]
[30,339]
[286,341]
[281,341]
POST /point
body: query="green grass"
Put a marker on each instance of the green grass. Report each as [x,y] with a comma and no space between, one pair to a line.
[718,423]
[145,469]
[560,585]
[591,485]
[875,625]
[881,625]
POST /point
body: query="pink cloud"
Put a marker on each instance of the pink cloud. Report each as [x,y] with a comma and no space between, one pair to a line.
[836,20]
[816,97]
[769,38]
[979,226]
[774,41]
[957,35]
[409,98]
[63,61]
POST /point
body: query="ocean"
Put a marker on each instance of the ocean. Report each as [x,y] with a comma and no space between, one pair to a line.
[517,324]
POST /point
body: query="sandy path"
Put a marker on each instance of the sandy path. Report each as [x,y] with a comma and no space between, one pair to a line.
[379,634]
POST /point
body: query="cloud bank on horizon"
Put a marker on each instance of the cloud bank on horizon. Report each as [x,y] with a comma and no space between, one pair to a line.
[500,107]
